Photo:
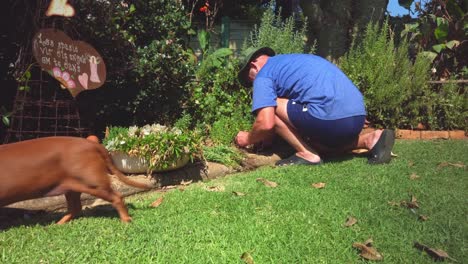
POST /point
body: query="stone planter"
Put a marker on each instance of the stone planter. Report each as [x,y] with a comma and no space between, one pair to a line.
[130,164]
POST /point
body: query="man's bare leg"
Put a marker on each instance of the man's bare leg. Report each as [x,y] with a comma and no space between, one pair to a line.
[304,149]
[286,130]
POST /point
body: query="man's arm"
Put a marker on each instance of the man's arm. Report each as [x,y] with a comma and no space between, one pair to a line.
[262,128]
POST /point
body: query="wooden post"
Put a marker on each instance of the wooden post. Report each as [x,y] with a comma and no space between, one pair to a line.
[225,31]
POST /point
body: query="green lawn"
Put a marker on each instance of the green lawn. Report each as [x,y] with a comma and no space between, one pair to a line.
[292,223]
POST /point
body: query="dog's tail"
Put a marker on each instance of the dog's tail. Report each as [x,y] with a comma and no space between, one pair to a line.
[116,172]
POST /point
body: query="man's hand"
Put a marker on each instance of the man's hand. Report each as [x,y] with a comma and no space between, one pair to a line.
[242,139]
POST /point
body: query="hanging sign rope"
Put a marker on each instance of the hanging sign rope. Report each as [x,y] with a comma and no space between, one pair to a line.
[75,64]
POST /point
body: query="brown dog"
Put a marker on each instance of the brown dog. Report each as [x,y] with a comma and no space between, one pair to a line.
[60,165]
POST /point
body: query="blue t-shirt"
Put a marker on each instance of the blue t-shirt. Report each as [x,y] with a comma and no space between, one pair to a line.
[309,80]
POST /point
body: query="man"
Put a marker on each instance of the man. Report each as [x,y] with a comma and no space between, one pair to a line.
[303,96]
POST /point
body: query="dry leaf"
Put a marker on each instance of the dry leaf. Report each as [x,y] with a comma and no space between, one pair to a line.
[412,204]
[238,194]
[393,155]
[359,151]
[350,221]
[414,176]
[423,218]
[393,203]
[215,188]
[267,182]
[185,183]
[437,254]
[369,242]
[158,202]
[247,258]
[457,165]
[319,185]
[367,251]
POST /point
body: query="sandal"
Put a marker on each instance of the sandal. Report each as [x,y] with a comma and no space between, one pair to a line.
[296,160]
[382,151]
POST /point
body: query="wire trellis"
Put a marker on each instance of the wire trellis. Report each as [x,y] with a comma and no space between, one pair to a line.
[43,109]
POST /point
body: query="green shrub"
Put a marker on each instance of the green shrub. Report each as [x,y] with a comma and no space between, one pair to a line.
[394,88]
[282,36]
[163,70]
[447,107]
[142,85]
[216,93]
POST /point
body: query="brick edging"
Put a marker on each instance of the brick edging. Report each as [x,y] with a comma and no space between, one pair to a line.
[425,134]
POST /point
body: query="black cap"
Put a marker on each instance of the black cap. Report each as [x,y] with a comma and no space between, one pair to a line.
[251,54]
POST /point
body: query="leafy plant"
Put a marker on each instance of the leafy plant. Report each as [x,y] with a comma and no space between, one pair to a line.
[225,128]
[24,79]
[159,145]
[440,33]
[215,92]
[210,60]
[278,34]
[164,68]
[5,116]
[223,154]
[143,44]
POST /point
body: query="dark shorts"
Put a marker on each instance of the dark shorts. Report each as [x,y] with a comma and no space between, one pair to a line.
[331,133]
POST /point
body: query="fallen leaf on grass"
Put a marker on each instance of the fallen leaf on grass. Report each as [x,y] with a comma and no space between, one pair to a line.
[359,151]
[412,204]
[423,218]
[215,188]
[393,155]
[267,182]
[238,193]
[158,202]
[457,165]
[319,185]
[247,258]
[437,254]
[414,176]
[367,251]
[350,221]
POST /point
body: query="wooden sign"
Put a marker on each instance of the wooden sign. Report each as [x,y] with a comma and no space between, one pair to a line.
[75,64]
[60,8]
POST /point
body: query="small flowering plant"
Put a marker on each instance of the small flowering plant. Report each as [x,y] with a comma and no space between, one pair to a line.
[160,146]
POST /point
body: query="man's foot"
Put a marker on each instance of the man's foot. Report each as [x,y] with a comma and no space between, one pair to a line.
[296,160]
[382,150]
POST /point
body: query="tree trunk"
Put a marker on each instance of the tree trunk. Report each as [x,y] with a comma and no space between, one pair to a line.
[333,24]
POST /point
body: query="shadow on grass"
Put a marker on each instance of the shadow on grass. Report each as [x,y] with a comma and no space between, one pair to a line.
[15,217]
